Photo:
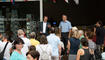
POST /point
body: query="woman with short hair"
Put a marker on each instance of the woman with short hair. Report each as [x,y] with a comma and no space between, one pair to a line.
[84,53]
[33,55]
[44,49]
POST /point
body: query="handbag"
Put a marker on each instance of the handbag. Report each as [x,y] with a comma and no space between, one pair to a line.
[2,53]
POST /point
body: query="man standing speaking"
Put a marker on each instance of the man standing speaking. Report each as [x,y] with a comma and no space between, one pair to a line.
[65,29]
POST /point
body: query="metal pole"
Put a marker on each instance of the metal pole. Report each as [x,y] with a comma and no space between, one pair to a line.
[41,10]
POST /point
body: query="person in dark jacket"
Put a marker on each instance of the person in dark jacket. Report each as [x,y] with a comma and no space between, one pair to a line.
[44,26]
[100,33]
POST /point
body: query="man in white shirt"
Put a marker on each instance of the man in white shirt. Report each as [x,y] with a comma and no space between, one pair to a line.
[27,42]
[44,26]
[8,47]
[54,41]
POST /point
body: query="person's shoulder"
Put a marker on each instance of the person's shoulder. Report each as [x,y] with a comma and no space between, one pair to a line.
[49,36]
[57,37]
[26,39]
[78,41]
[1,42]
[37,41]
[68,22]
[81,49]
[38,46]
[90,41]
[14,53]
[9,43]
[72,39]
[48,45]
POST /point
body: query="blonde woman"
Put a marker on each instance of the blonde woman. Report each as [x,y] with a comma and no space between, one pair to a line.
[74,45]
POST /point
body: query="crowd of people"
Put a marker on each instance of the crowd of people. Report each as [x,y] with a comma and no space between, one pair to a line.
[55,43]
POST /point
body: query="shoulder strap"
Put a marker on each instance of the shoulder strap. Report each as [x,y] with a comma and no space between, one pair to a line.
[5,47]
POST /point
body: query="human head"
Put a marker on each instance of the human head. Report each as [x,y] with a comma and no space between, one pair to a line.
[99,23]
[32,47]
[89,35]
[20,32]
[52,30]
[45,18]
[5,37]
[57,32]
[84,42]
[18,44]
[74,29]
[43,40]
[81,32]
[33,55]
[75,34]
[64,17]
[32,35]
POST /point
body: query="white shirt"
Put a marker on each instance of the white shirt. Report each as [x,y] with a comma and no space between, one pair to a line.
[103,55]
[54,41]
[46,48]
[44,27]
[92,45]
[7,50]
[27,43]
[0,41]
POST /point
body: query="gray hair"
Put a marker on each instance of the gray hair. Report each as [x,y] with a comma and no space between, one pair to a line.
[81,32]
